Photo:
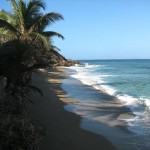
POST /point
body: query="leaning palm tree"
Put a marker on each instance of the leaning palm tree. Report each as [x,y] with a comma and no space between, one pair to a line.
[22,29]
[23,39]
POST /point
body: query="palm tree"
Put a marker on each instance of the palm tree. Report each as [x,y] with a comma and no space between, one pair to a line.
[29,23]
[23,37]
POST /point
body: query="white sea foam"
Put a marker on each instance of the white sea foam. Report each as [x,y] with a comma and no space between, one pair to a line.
[98,82]
[146,101]
[140,106]
[128,101]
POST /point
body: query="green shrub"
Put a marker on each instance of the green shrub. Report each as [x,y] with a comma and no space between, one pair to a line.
[19,133]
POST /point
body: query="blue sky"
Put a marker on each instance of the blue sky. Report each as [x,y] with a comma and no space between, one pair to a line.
[101,29]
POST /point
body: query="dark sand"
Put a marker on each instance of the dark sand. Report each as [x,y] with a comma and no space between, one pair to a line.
[107,117]
[63,130]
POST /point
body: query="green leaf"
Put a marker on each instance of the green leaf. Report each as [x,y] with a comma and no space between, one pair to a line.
[45,20]
[7,26]
[52,33]
[39,38]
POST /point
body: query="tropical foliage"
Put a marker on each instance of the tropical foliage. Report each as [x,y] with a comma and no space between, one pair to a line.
[23,36]
[23,42]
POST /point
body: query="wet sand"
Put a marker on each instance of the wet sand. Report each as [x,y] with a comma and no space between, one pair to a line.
[101,113]
[62,128]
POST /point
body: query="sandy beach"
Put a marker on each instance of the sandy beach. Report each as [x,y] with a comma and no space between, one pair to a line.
[83,84]
[62,128]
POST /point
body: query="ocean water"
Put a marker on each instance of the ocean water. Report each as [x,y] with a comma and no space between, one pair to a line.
[126,80]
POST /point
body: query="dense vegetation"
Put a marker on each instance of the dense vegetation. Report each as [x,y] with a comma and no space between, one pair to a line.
[24,43]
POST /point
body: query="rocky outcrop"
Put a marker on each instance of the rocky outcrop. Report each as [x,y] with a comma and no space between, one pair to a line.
[53,58]
[72,62]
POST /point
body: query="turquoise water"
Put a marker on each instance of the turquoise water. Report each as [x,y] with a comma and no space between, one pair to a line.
[127,80]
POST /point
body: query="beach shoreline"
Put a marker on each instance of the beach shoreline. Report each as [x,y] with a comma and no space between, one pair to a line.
[62,127]
[106,118]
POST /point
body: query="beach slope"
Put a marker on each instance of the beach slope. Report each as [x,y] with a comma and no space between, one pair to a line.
[62,128]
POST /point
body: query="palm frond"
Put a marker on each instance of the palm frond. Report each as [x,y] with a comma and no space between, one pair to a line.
[34,6]
[55,48]
[6,37]
[52,33]
[7,26]
[19,15]
[22,8]
[39,39]
[6,16]
[32,12]
[45,20]
[15,6]
[3,15]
